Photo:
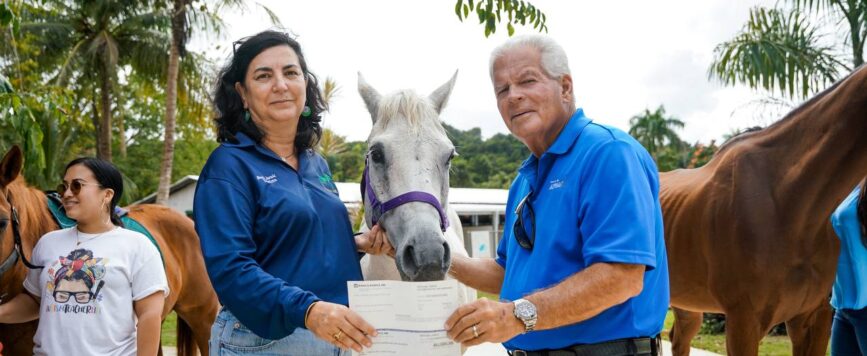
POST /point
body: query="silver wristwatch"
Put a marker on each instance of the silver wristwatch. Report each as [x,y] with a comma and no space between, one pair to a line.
[525,311]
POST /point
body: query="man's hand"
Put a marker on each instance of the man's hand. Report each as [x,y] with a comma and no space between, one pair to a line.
[483,321]
[374,242]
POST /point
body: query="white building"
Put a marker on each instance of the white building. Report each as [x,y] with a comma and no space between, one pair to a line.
[482,211]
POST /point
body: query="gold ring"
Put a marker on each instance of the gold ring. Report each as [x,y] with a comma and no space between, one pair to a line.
[338,335]
[475,331]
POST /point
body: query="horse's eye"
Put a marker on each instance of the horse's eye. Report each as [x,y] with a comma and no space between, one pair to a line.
[377,156]
[452,156]
[3,224]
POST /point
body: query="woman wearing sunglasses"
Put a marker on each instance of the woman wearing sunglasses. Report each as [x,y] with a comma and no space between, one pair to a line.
[102,287]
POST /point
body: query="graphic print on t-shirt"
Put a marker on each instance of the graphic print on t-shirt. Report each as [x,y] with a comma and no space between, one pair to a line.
[74,283]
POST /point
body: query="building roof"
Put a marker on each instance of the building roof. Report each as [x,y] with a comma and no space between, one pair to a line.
[464,200]
[180,184]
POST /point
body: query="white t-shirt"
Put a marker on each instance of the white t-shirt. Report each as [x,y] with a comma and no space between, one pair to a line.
[88,289]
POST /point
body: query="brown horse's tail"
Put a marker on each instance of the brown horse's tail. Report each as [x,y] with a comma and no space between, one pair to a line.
[186,343]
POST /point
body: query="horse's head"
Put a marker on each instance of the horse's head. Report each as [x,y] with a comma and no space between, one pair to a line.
[408,151]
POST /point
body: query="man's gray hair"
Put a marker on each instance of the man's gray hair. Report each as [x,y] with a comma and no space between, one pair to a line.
[554,61]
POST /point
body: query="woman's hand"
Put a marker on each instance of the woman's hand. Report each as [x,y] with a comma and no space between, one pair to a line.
[374,242]
[339,326]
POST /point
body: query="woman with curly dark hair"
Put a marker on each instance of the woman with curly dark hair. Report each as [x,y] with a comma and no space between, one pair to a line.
[275,236]
[849,295]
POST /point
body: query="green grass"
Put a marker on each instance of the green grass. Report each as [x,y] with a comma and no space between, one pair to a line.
[169,332]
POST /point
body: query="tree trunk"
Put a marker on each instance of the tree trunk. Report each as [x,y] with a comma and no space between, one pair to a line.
[121,129]
[103,141]
[171,102]
[853,16]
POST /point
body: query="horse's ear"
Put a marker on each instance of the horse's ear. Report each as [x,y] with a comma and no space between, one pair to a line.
[440,97]
[370,96]
[11,165]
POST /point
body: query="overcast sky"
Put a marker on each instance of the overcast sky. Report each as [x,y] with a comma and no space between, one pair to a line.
[625,56]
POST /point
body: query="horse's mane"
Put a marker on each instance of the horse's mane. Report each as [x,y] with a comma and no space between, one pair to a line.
[32,209]
[792,113]
[416,109]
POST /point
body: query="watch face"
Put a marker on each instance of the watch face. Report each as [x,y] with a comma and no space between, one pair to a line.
[525,310]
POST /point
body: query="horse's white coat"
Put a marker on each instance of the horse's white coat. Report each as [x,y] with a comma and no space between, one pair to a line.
[409,127]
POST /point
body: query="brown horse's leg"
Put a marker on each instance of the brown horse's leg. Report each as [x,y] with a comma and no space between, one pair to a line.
[199,319]
[811,331]
[686,326]
[17,339]
[744,332]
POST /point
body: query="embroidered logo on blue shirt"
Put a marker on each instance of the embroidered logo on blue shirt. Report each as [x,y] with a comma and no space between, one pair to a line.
[328,183]
[269,179]
[555,184]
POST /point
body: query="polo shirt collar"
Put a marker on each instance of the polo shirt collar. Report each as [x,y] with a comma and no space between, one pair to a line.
[565,139]
[243,141]
[569,134]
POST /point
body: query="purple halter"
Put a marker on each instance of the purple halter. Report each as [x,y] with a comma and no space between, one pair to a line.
[377,208]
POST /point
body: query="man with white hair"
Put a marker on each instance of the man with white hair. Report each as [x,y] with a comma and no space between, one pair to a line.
[581,268]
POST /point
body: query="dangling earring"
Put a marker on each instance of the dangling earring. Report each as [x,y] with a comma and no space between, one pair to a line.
[105,209]
[306,112]
[246,115]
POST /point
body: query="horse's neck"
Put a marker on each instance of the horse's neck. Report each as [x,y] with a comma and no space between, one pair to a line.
[819,154]
[35,219]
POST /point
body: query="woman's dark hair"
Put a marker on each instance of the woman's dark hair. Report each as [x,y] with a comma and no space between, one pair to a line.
[862,211]
[230,108]
[108,177]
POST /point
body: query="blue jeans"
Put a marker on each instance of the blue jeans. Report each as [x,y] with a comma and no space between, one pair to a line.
[229,338]
[849,332]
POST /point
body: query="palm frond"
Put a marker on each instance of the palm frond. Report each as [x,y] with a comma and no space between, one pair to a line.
[777,51]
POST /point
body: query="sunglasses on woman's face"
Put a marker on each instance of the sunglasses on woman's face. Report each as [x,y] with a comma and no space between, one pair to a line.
[74,186]
[525,223]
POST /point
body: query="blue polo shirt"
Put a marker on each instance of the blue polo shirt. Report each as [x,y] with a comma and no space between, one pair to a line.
[274,239]
[596,199]
[850,285]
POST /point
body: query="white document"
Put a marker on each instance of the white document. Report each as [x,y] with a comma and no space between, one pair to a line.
[408,316]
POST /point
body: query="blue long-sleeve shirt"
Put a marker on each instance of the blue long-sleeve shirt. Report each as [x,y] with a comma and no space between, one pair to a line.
[274,240]
[850,285]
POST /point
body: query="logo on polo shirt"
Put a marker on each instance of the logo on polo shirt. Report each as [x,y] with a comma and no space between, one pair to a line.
[328,183]
[555,184]
[269,179]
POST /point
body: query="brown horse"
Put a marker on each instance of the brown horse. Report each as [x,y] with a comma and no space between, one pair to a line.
[748,234]
[191,297]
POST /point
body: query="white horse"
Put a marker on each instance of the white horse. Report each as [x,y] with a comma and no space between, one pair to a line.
[408,151]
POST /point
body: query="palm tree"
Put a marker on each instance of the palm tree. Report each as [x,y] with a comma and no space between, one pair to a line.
[91,40]
[330,143]
[655,131]
[780,50]
[183,16]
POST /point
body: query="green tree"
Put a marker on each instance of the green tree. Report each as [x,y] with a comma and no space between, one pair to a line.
[89,41]
[39,121]
[781,51]
[492,12]
[185,16]
[655,131]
